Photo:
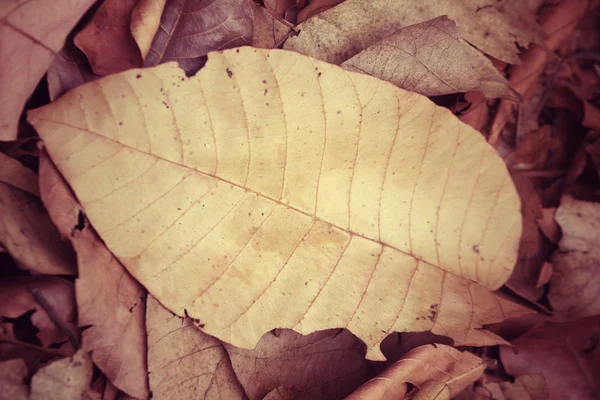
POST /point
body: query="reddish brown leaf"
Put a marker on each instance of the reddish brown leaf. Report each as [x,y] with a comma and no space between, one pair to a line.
[526,387]
[567,354]
[109,300]
[189,29]
[107,40]
[12,376]
[68,70]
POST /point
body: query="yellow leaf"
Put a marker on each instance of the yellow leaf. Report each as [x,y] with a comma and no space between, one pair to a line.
[272,190]
[145,20]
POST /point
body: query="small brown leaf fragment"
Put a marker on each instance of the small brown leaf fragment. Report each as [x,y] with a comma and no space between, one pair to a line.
[28,234]
[16,300]
[332,363]
[548,225]
[430,58]
[31,32]
[189,29]
[145,20]
[12,376]
[575,282]
[184,362]
[110,302]
[65,379]
[107,40]
[438,363]
[530,387]
[545,275]
[566,354]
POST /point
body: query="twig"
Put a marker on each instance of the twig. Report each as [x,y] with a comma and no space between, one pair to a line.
[60,324]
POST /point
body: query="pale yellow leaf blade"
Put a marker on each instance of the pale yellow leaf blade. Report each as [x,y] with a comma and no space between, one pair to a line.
[145,20]
[314,197]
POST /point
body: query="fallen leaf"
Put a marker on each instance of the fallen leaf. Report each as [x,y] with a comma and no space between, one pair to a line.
[359,217]
[545,275]
[433,390]
[278,8]
[17,175]
[107,40]
[145,20]
[397,345]
[548,225]
[12,380]
[533,151]
[65,379]
[566,354]
[315,7]
[29,235]
[477,114]
[280,393]
[184,362]
[68,70]
[323,365]
[343,31]
[575,281]
[189,29]
[438,363]
[16,300]
[530,387]
[430,58]
[31,32]
[110,302]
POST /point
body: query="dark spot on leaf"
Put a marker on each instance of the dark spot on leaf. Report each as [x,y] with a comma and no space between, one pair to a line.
[265,92]
[319,74]
[120,123]
[263,81]
[80,221]
[138,76]
[339,111]
[229,73]
[476,248]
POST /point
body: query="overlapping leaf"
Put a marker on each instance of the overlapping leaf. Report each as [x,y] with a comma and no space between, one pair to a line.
[273,190]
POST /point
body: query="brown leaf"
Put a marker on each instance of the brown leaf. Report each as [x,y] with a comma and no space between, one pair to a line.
[433,390]
[107,40]
[12,380]
[545,275]
[315,7]
[17,175]
[477,114]
[345,30]
[68,70]
[548,225]
[439,363]
[323,365]
[533,151]
[389,251]
[145,20]
[278,8]
[27,232]
[31,32]
[65,379]
[575,282]
[530,387]
[16,300]
[184,362]
[566,354]
[189,29]
[110,302]
[430,58]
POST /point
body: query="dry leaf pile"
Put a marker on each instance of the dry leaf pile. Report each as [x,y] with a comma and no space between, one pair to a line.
[300,199]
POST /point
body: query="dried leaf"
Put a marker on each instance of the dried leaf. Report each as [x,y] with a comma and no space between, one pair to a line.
[566,354]
[65,379]
[345,30]
[548,225]
[477,114]
[430,58]
[110,302]
[31,32]
[545,275]
[316,7]
[575,282]
[68,70]
[29,235]
[189,29]
[530,387]
[183,362]
[438,363]
[107,40]
[323,365]
[381,227]
[16,300]
[145,20]
[17,175]
[12,380]
[433,390]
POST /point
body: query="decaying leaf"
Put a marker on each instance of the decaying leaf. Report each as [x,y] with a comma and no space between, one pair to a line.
[16,300]
[433,390]
[566,354]
[110,302]
[16,174]
[315,7]
[575,281]
[12,380]
[145,20]
[68,70]
[336,200]
[323,365]
[107,40]
[345,30]
[31,32]
[184,362]
[189,29]
[430,58]
[65,379]
[530,387]
[439,363]
[27,232]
